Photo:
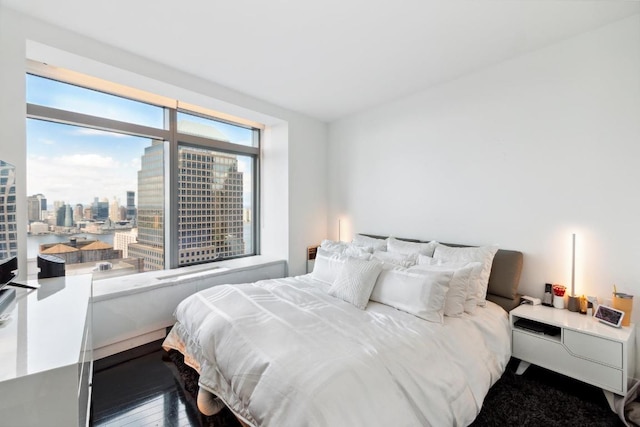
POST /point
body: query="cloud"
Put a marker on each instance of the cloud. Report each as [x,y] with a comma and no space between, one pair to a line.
[78,178]
[98,132]
[86,161]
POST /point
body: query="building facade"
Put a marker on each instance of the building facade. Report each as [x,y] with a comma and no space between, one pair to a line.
[150,218]
[210,206]
[8,224]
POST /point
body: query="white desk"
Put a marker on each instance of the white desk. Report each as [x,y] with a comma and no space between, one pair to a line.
[45,355]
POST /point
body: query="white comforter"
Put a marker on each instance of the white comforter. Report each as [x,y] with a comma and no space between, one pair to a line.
[284,353]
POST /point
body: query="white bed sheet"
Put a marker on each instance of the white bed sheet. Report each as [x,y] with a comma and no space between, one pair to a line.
[283,352]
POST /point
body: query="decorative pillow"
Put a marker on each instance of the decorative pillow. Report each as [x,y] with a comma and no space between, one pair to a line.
[471,295]
[355,281]
[358,251]
[409,248]
[483,255]
[460,288]
[392,259]
[327,266]
[371,242]
[333,246]
[421,293]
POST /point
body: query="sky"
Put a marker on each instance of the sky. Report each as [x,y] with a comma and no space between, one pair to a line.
[75,165]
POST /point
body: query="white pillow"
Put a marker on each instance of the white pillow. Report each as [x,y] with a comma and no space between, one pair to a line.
[333,246]
[483,255]
[327,266]
[358,251]
[460,288]
[421,293]
[355,281]
[395,259]
[371,242]
[408,248]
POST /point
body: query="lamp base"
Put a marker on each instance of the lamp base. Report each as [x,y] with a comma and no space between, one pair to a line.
[574,303]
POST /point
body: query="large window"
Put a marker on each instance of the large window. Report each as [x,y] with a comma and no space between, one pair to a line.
[117,185]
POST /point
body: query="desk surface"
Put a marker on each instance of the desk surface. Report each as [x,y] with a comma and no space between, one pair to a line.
[46,326]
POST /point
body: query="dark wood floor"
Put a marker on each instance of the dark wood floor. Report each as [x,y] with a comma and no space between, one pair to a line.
[138,388]
[140,392]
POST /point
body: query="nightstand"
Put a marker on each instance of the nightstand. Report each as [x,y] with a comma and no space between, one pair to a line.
[574,345]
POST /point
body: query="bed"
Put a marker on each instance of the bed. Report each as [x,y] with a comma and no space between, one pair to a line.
[290,352]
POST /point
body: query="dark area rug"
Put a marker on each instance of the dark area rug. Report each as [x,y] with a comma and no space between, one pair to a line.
[544,398]
[537,398]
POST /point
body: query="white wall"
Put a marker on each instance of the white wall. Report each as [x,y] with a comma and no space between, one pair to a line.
[294,152]
[521,154]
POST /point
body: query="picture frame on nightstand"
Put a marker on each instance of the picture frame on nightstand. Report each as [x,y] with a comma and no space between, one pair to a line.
[609,315]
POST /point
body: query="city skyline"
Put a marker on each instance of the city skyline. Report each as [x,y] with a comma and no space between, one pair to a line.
[59,156]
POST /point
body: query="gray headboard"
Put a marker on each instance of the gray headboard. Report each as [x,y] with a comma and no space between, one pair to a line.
[504,278]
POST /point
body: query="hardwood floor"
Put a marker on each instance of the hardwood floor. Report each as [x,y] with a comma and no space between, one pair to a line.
[140,392]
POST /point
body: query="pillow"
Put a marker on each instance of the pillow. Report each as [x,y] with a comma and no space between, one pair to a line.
[327,266]
[371,242]
[408,248]
[421,293]
[355,281]
[395,259]
[483,255]
[358,251]
[460,289]
[333,246]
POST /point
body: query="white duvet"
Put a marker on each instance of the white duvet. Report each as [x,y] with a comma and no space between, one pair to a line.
[284,353]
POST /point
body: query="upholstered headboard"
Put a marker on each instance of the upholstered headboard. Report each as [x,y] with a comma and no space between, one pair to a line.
[504,278]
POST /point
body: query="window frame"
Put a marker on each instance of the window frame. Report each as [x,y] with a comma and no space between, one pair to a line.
[173,139]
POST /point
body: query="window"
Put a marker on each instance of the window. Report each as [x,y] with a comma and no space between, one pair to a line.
[117,186]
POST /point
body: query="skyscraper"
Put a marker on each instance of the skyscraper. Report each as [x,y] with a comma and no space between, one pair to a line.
[8,224]
[114,210]
[150,245]
[131,205]
[36,204]
[210,196]
[33,209]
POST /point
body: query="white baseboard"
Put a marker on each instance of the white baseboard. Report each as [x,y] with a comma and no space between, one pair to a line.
[110,350]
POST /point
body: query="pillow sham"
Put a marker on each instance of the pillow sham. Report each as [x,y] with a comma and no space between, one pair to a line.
[482,254]
[355,281]
[327,266]
[333,246]
[358,251]
[409,248]
[421,293]
[348,249]
[391,259]
[460,287]
[371,242]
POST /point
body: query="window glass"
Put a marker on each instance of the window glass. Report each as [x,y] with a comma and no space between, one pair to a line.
[95,198]
[63,96]
[215,205]
[215,129]
[99,198]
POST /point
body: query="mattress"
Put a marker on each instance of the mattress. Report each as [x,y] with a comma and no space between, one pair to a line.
[283,352]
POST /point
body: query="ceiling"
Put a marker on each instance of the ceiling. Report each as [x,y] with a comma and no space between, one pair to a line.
[331,58]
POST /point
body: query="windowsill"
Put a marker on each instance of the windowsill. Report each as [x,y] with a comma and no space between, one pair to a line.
[106,289]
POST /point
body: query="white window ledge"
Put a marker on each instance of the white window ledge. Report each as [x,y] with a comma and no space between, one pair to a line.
[115,287]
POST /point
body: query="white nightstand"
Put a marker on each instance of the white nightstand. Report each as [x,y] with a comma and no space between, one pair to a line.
[582,348]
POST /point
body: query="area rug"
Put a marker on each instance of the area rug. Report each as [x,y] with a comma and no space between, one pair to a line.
[544,398]
[537,398]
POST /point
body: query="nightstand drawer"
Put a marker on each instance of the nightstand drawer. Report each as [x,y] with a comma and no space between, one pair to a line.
[593,348]
[555,356]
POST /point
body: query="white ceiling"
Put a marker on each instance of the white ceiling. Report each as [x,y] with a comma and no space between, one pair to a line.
[328,58]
